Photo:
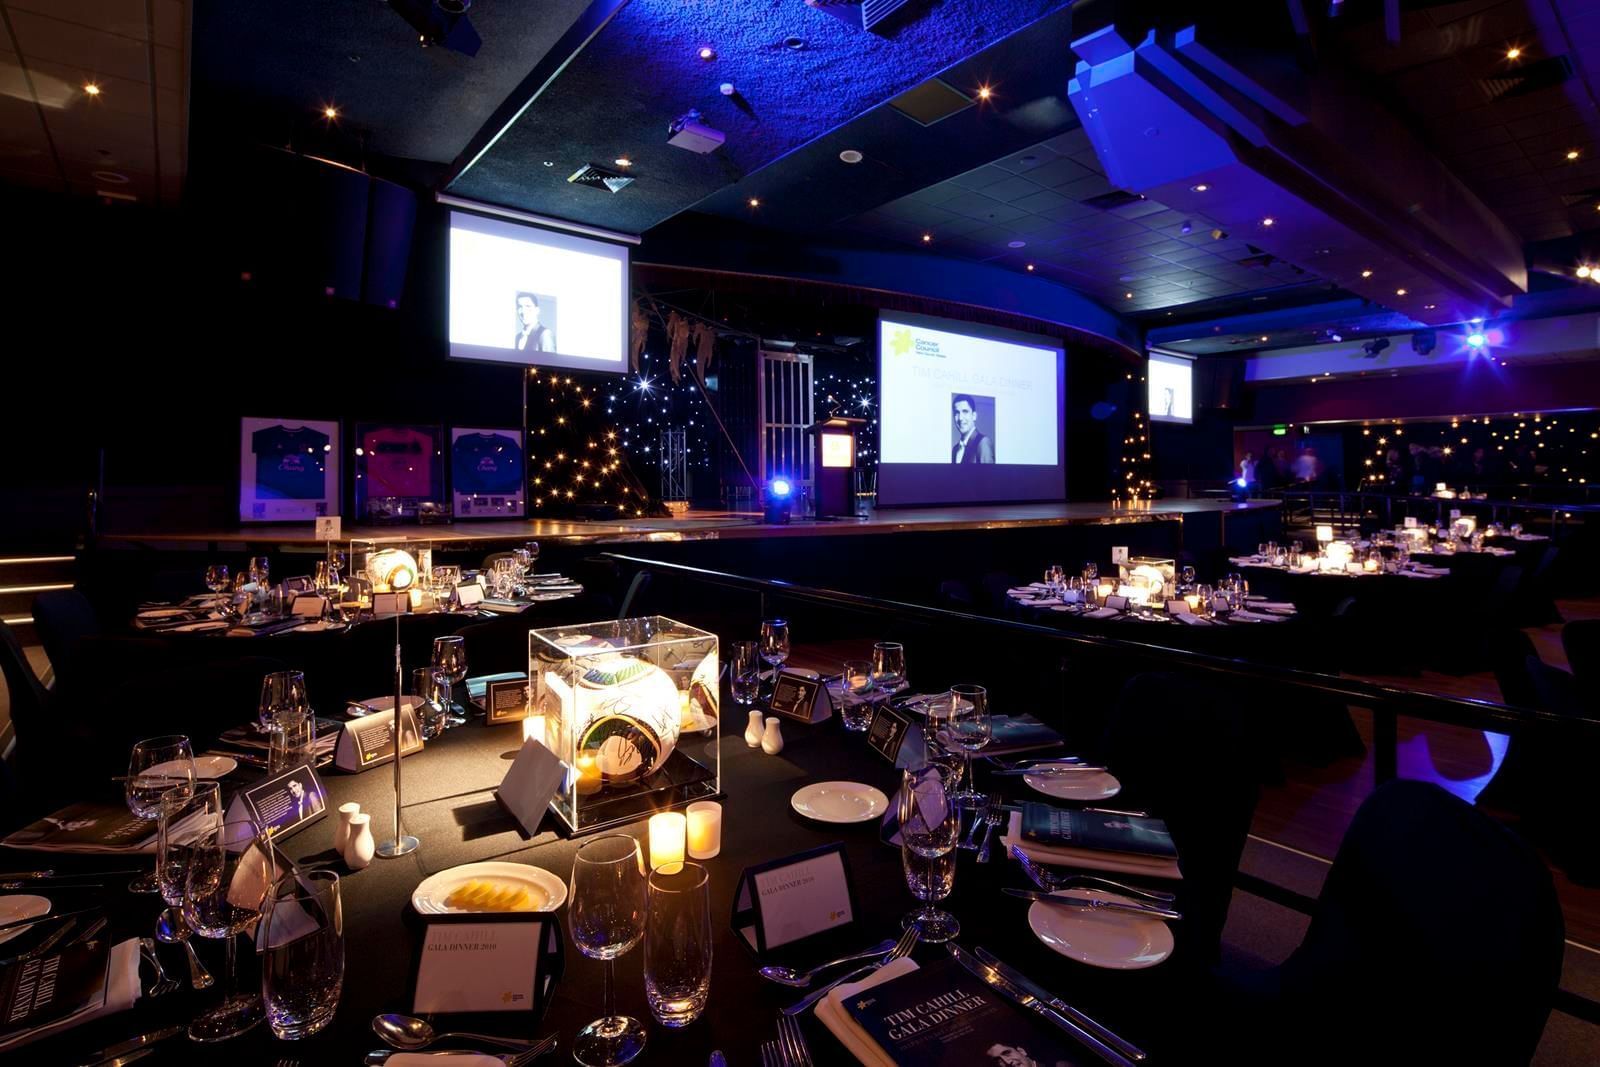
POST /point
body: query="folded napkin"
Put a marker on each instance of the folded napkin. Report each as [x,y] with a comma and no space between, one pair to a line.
[1191,620]
[1102,613]
[832,1014]
[1024,591]
[454,1059]
[1270,605]
[1087,859]
[122,972]
[1042,602]
[1251,616]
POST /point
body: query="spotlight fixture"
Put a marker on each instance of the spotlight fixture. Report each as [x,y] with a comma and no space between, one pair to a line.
[927,238]
[754,201]
[1513,53]
[984,92]
[1583,271]
[1219,235]
[1127,296]
[1265,338]
[850,155]
[1399,292]
[623,161]
[1016,244]
[1187,228]
[1572,154]
[1476,339]
[1366,274]
[727,89]
[330,113]
[1371,348]
[780,502]
[1202,187]
[1030,266]
[91,89]
[708,54]
[1268,221]
[1429,307]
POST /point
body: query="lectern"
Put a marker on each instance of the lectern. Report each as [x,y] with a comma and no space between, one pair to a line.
[834,478]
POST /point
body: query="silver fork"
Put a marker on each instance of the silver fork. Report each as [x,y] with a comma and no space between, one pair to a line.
[982,811]
[1050,882]
[992,818]
[902,949]
[533,1052]
[769,1054]
[164,983]
[792,1042]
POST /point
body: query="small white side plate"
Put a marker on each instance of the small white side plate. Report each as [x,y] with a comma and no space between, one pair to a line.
[1075,785]
[1116,940]
[840,802]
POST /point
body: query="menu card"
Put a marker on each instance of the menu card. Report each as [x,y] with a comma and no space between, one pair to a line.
[47,989]
[1106,832]
[87,827]
[939,1014]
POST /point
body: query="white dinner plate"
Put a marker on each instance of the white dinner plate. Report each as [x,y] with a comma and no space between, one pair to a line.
[157,614]
[549,892]
[1116,940]
[211,766]
[840,802]
[1075,785]
[17,907]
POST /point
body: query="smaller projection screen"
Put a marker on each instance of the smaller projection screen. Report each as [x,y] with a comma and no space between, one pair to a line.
[1171,382]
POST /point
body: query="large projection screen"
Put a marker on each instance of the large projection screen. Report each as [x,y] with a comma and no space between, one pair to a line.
[968,414]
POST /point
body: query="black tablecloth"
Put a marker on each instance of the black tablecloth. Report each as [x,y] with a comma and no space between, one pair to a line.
[450,806]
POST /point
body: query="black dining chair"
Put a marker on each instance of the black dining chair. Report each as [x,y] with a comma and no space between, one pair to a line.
[995,598]
[26,771]
[1437,938]
[955,595]
[1179,746]
[1515,782]
[496,646]
[1539,594]
[1581,642]
[63,618]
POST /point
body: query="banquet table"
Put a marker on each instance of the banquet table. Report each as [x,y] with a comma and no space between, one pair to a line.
[450,806]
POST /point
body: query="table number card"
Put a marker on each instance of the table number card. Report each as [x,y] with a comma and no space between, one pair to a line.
[309,606]
[801,696]
[531,784]
[369,740]
[1117,603]
[1179,606]
[283,803]
[489,962]
[887,731]
[505,700]
[327,528]
[794,898]
[1119,554]
[391,603]
[469,594]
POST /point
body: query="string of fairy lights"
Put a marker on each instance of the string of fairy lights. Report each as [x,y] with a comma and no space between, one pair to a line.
[574,459]
[1135,483]
[1555,448]
[855,395]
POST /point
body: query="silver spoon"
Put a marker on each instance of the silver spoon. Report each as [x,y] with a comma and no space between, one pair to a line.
[409,1033]
[800,979]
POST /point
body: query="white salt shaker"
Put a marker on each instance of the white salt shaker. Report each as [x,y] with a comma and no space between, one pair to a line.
[341,830]
[772,739]
[359,849]
[752,730]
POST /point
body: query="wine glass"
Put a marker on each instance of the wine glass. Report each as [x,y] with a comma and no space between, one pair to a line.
[940,748]
[929,825]
[744,673]
[888,665]
[156,765]
[971,728]
[283,700]
[677,944]
[450,659]
[302,953]
[260,567]
[1186,579]
[217,579]
[532,548]
[187,815]
[606,909]
[1091,570]
[230,872]
[775,644]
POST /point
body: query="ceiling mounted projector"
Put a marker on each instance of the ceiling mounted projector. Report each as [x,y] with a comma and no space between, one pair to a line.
[689,132]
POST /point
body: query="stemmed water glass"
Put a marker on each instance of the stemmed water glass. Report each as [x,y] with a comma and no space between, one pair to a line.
[606,910]
[1091,570]
[929,826]
[302,953]
[970,728]
[231,869]
[156,766]
[888,665]
[260,568]
[1186,579]
[432,692]
[856,687]
[677,944]
[775,644]
[187,815]
[744,672]
[450,659]
[217,579]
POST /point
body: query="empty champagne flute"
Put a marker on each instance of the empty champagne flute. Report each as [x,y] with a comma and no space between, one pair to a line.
[744,672]
[971,729]
[188,813]
[888,665]
[677,944]
[301,942]
[450,659]
[231,869]
[156,766]
[606,910]
[929,826]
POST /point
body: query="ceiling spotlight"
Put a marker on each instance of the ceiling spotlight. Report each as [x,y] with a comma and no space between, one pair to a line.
[1268,221]
[1429,307]
[1187,228]
[1030,266]
[927,238]
[330,113]
[1476,339]
[1335,337]
[1127,296]
[708,54]
[984,92]
[1513,53]
[754,201]
[1583,271]
[91,88]
[623,161]
[1016,244]
[1572,153]
[850,155]
[548,163]
[1202,187]
[1219,235]
[727,89]
[1366,274]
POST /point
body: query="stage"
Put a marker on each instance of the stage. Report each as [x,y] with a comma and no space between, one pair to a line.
[709,526]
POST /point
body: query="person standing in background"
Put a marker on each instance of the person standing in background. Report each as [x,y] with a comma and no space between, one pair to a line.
[1247,469]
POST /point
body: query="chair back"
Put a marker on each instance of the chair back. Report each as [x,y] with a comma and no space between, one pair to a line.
[1555,688]
[62,618]
[28,696]
[1581,642]
[1433,915]
[1509,651]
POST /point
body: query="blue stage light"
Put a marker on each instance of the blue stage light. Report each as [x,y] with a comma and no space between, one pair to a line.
[780,501]
[1476,339]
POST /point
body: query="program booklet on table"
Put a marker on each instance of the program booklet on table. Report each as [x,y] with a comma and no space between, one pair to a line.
[87,827]
[941,1016]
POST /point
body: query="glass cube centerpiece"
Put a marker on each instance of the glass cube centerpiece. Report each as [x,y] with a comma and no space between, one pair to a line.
[1146,579]
[630,705]
[391,565]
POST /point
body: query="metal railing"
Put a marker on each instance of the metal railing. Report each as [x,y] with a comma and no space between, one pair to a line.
[1353,507]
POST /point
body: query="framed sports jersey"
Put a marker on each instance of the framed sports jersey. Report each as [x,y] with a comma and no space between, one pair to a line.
[399,470]
[288,469]
[488,473]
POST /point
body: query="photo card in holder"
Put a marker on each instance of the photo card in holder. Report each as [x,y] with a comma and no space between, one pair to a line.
[282,804]
[368,741]
[309,606]
[1178,606]
[800,695]
[486,962]
[887,731]
[505,700]
[794,898]
[469,594]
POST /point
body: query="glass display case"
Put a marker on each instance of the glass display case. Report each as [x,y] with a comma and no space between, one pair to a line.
[390,565]
[630,706]
[1147,579]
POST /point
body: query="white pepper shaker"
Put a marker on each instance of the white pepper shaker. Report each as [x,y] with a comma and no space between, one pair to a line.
[752,730]
[341,830]
[359,849]
[772,739]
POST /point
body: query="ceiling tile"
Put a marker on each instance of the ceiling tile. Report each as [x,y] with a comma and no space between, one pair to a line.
[123,17]
[1011,189]
[102,54]
[1058,172]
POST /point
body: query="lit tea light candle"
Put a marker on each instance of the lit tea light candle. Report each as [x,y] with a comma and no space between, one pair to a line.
[1193,601]
[588,775]
[1104,590]
[533,729]
[667,833]
[705,829]
[1370,565]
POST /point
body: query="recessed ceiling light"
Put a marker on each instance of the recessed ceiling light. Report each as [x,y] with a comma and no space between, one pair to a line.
[850,155]
[984,92]
[796,43]
[623,161]
[91,88]
[1583,272]
[1268,221]
[927,238]
[1030,266]
[1513,53]
[708,54]
[1016,244]
[1572,153]
[330,112]
[754,201]
[1265,338]
[1366,274]
[1127,296]
[1202,187]
[1399,292]
[548,163]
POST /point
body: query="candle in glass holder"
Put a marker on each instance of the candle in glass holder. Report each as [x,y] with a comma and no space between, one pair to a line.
[1193,601]
[667,832]
[533,729]
[705,829]
[588,775]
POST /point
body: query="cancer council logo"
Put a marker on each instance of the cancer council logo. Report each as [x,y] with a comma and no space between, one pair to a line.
[900,341]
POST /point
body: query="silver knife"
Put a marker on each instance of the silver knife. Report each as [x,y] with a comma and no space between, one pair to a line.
[1022,981]
[122,1048]
[1093,905]
[123,1061]
[1051,770]
[1022,998]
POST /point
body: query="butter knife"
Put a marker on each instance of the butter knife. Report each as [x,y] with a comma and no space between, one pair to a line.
[122,1048]
[1022,981]
[1027,1001]
[1093,905]
[123,1061]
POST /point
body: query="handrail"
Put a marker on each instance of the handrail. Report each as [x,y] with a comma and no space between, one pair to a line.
[1481,714]
[1286,492]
